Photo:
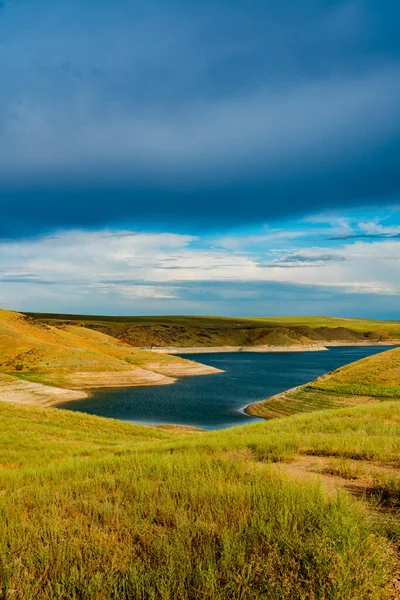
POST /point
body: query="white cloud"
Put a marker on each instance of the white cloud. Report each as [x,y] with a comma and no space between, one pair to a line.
[126,268]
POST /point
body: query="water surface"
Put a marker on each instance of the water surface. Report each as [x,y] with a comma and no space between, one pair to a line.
[216,401]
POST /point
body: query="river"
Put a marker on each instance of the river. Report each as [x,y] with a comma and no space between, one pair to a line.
[216,401]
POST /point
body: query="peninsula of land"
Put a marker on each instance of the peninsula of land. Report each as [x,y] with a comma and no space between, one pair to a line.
[47,365]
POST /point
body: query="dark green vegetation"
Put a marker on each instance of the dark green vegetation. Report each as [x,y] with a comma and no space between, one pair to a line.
[92,508]
[184,331]
[366,381]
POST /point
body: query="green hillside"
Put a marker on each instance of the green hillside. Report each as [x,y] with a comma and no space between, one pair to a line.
[302,508]
[97,509]
[366,381]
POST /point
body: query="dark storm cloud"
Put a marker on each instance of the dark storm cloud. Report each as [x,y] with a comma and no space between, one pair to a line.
[367,236]
[309,258]
[195,113]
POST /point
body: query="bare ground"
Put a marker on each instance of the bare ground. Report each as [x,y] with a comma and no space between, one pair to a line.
[218,349]
[358,480]
[27,392]
[109,379]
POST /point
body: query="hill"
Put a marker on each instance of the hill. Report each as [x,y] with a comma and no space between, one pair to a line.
[197,331]
[102,510]
[76,358]
[302,508]
[366,381]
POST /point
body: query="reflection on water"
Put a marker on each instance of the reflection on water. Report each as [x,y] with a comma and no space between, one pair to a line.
[215,401]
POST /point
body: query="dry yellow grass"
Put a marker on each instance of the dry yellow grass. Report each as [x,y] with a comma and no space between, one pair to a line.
[96,509]
[76,357]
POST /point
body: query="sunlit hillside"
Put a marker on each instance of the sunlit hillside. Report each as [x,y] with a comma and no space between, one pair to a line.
[368,380]
[97,509]
[77,358]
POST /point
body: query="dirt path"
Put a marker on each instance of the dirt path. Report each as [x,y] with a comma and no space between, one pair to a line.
[357,478]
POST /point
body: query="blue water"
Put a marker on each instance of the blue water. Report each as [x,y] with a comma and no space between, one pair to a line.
[216,401]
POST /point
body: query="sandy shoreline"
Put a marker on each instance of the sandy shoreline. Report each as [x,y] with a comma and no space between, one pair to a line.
[251,409]
[18,391]
[221,349]
[318,347]
[80,385]
[340,344]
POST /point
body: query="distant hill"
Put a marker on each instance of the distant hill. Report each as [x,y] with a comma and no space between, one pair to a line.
[196,331]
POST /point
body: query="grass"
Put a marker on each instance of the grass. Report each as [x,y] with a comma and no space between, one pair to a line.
[97,509]
[359,325]
[58,355]
[366,381]
[93,508]
[388,490]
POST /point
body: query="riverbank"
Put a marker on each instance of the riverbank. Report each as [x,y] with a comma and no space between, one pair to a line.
[227,349]
[18,391]
[270,348]
[366,381]
[78,386]
[45,365]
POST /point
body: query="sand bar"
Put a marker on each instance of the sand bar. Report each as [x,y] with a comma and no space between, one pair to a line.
[218,349]
[317,347]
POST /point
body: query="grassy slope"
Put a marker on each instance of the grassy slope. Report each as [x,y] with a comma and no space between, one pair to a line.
[366,381]
[97,509]
[184,331]
[92,508]
[74,356]
[360,325]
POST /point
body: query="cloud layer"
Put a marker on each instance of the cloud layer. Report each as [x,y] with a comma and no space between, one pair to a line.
[195,116]
[124,272]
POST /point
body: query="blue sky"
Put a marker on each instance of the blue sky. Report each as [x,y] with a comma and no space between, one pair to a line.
[214,157]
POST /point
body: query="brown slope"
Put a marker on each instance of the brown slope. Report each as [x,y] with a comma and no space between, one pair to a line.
[79,358]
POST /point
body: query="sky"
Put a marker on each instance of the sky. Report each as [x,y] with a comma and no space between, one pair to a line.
[215,157]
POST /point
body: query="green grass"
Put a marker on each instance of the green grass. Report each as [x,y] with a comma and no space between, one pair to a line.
[361,325]
[92,508]
[227,322]
[368,380]
[97,509]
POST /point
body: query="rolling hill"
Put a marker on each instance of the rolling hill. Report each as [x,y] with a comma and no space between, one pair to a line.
[76,358]
[197,331]
[366,381]
[302,508]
